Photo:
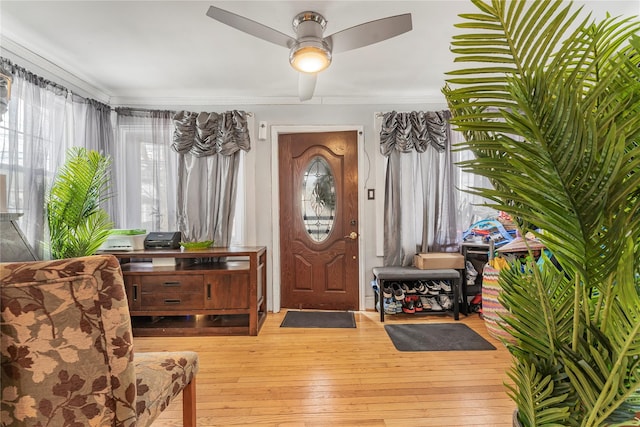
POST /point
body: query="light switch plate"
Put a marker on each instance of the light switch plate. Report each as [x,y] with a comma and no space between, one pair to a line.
[371,194]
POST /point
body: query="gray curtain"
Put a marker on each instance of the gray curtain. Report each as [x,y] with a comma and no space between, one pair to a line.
[5,90]
[420,195]
[92,127]
[209,145]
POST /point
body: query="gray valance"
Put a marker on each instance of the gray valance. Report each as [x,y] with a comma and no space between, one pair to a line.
[405,132]
[206,134]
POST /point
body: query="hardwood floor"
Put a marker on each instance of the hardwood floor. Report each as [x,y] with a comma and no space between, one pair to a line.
[341,377]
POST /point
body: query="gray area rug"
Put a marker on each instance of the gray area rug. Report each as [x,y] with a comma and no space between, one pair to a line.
[318,319]
[436,337]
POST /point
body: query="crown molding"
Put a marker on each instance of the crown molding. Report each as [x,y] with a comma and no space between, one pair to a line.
[159,102]
[41,66]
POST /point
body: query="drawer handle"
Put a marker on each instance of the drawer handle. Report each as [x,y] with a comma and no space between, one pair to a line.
[135,292]
[172,301]
[171,284]
[208,290]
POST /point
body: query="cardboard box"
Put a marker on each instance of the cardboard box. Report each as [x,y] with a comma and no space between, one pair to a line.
[439,260]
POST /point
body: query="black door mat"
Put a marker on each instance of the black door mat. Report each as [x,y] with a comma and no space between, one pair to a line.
[318,319]
[436,337]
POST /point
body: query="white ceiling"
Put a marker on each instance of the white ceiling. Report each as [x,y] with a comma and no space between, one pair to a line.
[170,52]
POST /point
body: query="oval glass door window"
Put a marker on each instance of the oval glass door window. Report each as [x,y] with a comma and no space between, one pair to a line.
[318,199]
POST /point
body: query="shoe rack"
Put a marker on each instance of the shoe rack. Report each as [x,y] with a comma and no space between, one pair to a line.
[478,254]
[418,297]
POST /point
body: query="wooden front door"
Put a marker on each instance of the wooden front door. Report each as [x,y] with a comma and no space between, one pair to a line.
[319,220]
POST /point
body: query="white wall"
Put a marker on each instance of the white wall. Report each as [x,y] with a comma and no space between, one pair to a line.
[314,117]
[311,116]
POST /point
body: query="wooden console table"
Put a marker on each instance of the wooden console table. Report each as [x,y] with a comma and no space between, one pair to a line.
[215,291]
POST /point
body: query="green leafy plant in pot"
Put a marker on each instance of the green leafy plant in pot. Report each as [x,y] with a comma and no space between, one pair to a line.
[550,106]
[78,225]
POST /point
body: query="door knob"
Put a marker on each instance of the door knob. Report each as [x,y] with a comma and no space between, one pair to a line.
[353,236]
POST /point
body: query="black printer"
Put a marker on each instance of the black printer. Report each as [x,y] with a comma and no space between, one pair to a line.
[163,240]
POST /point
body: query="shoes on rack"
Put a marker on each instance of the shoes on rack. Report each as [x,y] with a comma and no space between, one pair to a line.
[421,288]
[410,288]
[445,301]
[417,303]
[406,289]
[387,291]
[426,304]
[475,306]
[435,306]
[398,293]
[471,272]
[407,306]
[434,288]
[389,306]
[445,286]
[399,306]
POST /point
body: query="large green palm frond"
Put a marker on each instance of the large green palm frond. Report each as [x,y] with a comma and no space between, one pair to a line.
[551,109]
[541,305]
[605,369]
[77,223]
[545,406]
[528,121]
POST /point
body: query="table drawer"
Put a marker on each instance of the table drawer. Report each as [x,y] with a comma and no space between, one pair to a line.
[171,283]
[176,301]
[165,292]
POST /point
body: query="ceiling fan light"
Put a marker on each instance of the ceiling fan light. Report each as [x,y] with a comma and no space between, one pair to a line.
[309,58]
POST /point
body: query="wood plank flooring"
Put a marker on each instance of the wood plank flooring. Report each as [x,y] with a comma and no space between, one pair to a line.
[293,377]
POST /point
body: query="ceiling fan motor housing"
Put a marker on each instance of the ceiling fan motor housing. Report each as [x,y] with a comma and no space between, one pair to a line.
[306,20]
[310,47]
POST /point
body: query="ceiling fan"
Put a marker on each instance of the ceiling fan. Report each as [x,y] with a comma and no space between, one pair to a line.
[310,52]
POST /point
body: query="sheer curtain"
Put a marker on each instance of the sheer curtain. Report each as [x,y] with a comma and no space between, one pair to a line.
[33,140]
[470,208]
[42,122]
[145,170]
[420,193]
[93,128]
[44,119]
[210,147]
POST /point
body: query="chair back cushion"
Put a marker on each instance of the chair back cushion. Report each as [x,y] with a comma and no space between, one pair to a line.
[66,346]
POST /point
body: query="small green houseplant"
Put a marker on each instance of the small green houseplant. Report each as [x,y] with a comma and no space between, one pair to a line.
[550,106]
[78,225]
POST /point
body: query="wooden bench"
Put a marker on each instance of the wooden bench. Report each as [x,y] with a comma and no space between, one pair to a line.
[399,274]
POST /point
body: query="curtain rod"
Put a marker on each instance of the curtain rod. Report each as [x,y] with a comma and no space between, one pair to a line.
[147,110]
[379,114]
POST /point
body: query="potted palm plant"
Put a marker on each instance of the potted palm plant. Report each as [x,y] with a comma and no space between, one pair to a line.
[78,225]
[550,106]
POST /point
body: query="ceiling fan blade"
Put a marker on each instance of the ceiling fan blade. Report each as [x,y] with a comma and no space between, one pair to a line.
[250,27]
[306,85]
[369,33]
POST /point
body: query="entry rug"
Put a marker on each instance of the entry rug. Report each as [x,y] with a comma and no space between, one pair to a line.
[318,319]
[436,337]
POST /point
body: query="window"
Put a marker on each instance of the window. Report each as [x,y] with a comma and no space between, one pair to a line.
[34,137]
[145,174]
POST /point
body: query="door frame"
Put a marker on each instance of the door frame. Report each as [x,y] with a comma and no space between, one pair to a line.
[275,204]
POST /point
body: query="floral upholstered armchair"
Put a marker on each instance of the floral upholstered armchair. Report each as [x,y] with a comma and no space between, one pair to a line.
[67,354]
